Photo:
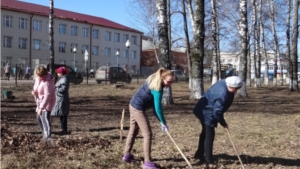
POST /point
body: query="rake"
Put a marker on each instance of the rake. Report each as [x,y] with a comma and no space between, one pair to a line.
[235,148]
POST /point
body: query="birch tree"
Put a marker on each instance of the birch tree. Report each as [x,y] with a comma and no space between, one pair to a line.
[197,54]
[288,39]
[265,56]
[164,52]
[243,29]
[257,45]
[254,26]
[51,36]
[295,34]
[215,73]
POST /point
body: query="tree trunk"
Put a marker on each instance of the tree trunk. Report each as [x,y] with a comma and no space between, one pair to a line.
[276,46]
[51,37]
[288,39]
[187,40]
[215,73]
[164,58]
[257,46]
[197,54]
[254,25]
[266,74]
[294,79]
[169,26]
[243,29]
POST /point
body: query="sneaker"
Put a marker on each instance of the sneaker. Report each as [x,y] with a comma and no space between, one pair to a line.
[149,165]
[128,158]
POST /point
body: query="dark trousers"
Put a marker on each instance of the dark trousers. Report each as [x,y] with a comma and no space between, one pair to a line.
[64,123]
[205,145]
[7,76]
[44,123]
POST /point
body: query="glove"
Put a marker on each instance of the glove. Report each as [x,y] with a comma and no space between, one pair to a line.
[164,127]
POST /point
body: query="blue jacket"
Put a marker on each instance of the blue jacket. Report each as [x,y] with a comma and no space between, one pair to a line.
[213,104]
[145,98]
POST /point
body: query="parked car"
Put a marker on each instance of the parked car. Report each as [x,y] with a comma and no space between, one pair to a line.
[180,76]
[112,74]
[75,77]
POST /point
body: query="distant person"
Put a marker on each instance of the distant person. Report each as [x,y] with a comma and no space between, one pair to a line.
[7,71]
[20,73]
[27,72]
[210,111]
[15,71]
[62,103]
[44,94]
[148,96]
[75,69]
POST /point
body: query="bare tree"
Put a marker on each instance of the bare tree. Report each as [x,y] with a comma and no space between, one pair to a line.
[257,46]
[243,29]
[254,25]
[262,31]
[197,54]
[215,73]
[294,77]
[51,36]
[288,39]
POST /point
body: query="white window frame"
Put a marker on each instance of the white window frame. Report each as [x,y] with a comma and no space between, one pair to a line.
[133,54]
[125,37]
[36,44]
[37,25]
[125,53]
[22,23]
[74,30]
[7,21]
[95,33]
[22,43]
[271,67]
[134,40]
[62,28]
[7,42]
[107,36]
[107,51]
[62,47]
[117,37]
[85,32]
[95,50]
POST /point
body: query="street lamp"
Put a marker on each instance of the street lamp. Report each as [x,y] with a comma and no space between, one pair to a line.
[86,57]
[74,51]
[127,44]
[117,53]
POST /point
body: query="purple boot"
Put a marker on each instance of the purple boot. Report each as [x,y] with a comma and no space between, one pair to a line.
[128,158]
[149,165]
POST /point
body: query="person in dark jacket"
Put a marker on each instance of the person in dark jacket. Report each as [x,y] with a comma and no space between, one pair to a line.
[149,95]
[210,111]
[62,104]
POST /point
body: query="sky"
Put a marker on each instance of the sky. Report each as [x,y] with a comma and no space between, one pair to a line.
[114,10]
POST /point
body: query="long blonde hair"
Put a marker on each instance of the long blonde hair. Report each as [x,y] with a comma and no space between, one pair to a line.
[154,81]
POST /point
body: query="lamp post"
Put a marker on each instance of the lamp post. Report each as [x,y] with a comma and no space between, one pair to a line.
[86,57]
[127,44]
[74,51]
[117,54]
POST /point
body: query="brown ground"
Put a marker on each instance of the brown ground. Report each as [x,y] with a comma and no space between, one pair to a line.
[265,129]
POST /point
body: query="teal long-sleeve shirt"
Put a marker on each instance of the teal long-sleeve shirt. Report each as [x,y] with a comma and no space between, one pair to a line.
[158,111]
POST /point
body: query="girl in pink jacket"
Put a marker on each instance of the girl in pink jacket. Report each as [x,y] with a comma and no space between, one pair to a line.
[44,94]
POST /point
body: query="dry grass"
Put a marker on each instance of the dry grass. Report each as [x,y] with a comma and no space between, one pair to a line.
[264,127]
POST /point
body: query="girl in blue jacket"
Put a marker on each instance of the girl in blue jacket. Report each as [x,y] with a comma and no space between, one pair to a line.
[210,109]
[149,95]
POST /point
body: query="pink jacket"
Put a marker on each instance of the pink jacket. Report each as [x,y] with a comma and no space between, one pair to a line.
[45,98]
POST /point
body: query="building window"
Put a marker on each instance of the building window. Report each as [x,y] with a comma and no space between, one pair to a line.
[125,38]
[37,25]
[107,51]
[72,47]
[22,43]
[22,23]
[62,28]
[271,67]
[7,21]
[62,47]
[84,47]
[229,60]
[36,44]
[95,33]
[133,40]
[117,37]
[107,36]
[74,30]
[95,65]
[7,41]
[133,54]
[35,62]
[125,53]
[85,32]
[95,50]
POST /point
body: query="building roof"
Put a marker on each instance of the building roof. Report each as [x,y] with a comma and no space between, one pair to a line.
[31,8]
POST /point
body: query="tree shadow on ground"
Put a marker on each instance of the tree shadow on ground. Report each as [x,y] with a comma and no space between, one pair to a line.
[107,128]
[246,159]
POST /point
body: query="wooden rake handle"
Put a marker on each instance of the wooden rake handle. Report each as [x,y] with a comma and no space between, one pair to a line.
[235,148]
[189,164]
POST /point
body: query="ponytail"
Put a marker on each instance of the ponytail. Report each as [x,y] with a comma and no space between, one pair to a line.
[155,80]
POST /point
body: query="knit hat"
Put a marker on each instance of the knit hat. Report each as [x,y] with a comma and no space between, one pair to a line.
[62,70]
[234,81]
